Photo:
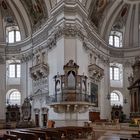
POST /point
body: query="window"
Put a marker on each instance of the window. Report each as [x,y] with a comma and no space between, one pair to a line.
[14,70]
[14,98]
[13,34]
[115,39]
[114,96]
[114,73]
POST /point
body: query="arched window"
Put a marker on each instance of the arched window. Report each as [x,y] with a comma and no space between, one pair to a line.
[115,39]
[116,98]
[13,34]
[14,97]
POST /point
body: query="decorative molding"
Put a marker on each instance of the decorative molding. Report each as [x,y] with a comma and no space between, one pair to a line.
[40,86]
[95,72]
[26,56]
[44,110]
[2,59]
[36,110]
[39,71]
[117,54]
[103,58]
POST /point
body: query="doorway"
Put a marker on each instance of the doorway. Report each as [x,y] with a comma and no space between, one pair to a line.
[45,119]
[37,119]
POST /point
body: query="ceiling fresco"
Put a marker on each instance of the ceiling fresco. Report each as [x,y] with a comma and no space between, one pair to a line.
[98,9]
[36,9]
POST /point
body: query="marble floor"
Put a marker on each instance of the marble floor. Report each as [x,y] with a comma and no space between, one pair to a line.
[116,135]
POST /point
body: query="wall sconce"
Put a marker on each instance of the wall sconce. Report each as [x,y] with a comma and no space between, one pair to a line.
[108,96]
[125,101]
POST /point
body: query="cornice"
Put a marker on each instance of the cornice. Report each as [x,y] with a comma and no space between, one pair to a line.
[69,6]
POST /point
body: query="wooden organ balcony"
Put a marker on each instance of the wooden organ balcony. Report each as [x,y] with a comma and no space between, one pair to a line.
[70,98]
[71,92]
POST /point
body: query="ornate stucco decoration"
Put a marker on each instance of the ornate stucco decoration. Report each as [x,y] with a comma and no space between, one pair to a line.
[134,88]
[36,110]
[45,110]
[39,71]
[93,49]
[117,54]
[95,72]
[26,56]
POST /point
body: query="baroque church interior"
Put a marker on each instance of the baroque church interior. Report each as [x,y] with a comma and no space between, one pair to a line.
[70,69]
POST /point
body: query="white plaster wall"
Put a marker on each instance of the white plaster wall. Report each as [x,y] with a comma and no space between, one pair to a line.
[74,50]
[105,107]
[126,107]
[56,63]
[30,86]
[69,50]
[24,81]
[82,58]
[2,91]
[13,81]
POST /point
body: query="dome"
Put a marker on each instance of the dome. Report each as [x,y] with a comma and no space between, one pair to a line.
[23,15]
[118,16]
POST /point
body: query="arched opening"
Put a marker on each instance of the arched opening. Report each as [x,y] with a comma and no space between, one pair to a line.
[13,97]
[116,98]
[115,39]
[13,34]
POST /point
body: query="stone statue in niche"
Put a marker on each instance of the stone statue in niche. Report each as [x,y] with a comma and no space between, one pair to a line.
[26,110]
[26,121]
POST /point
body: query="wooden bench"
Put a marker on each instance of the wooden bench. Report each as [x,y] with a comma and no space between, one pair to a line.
[68,132]
[135,135]
[9,137]
[24,135]
[51,133]
[39,134]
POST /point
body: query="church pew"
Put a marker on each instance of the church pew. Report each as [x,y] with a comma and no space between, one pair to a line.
[51,133]
[39,134]
[67,132]
[9,137]
[24,135]
[135,135]
[72,131]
